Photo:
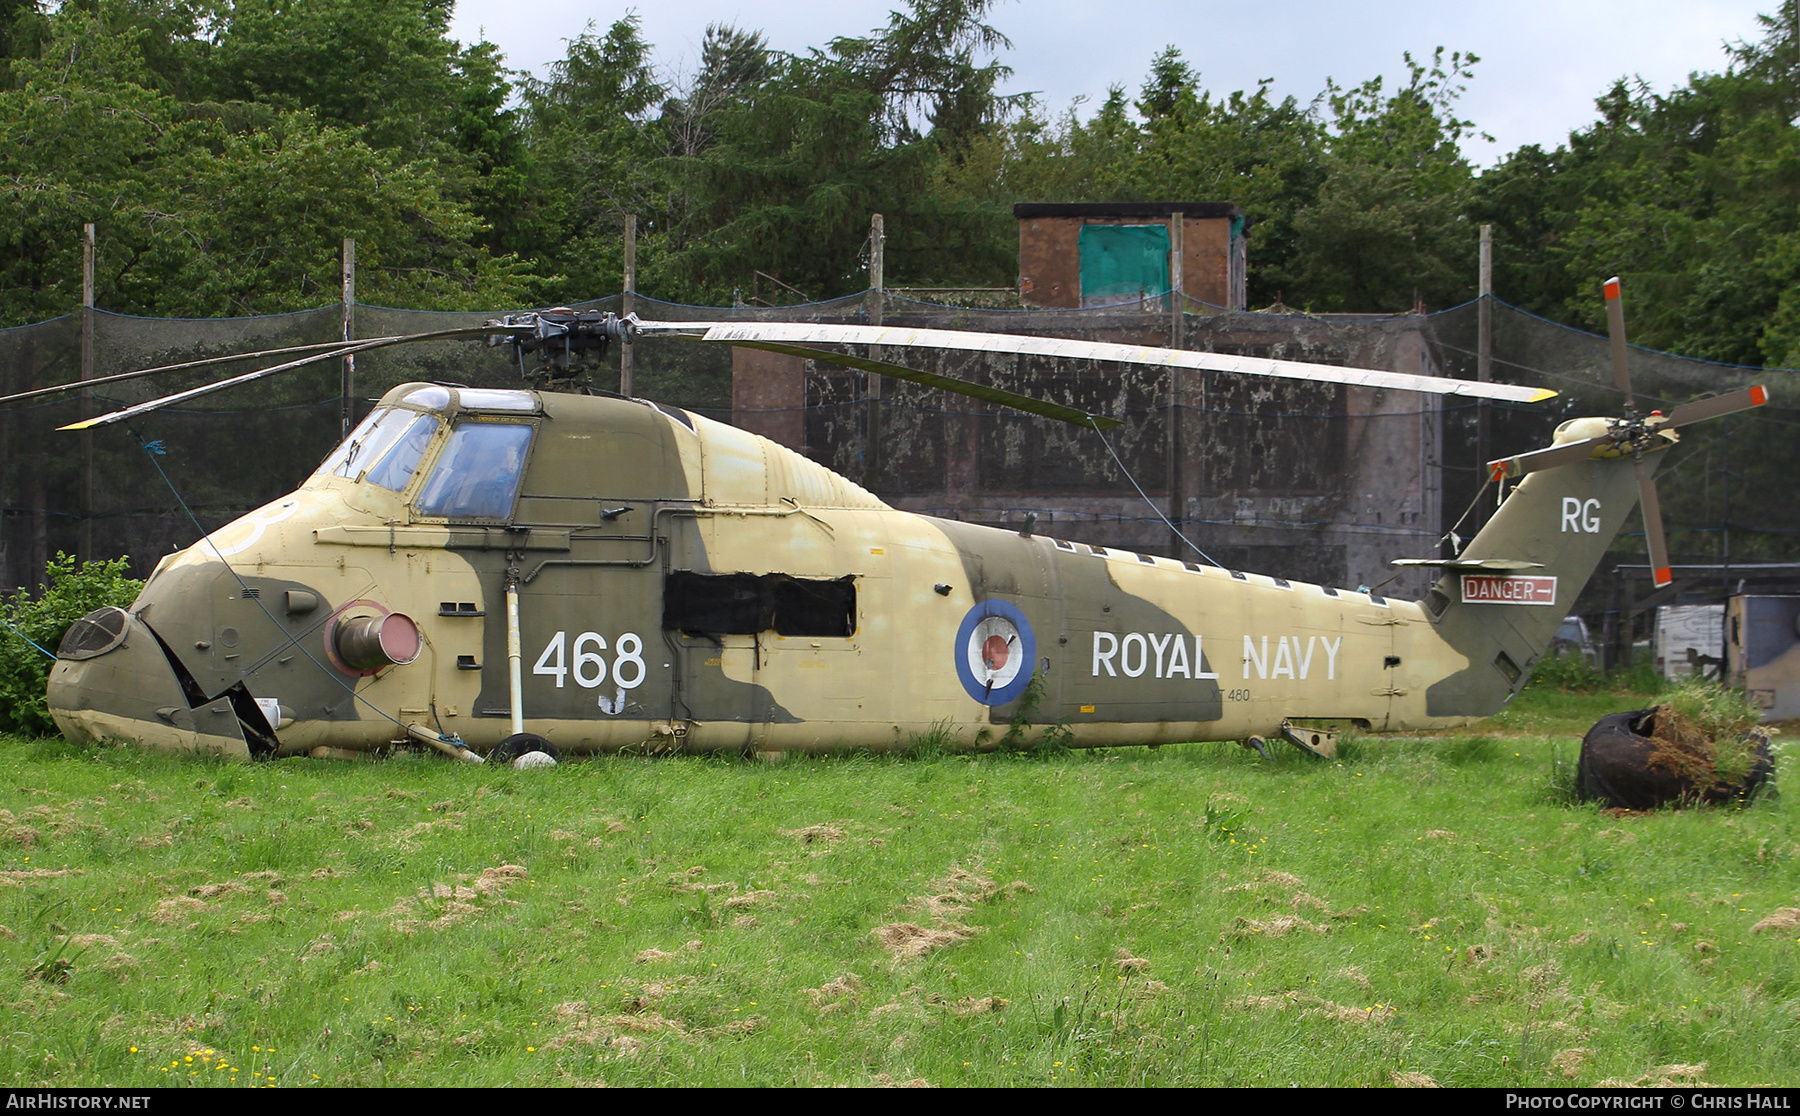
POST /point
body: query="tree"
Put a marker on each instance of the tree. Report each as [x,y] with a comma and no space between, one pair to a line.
[1386,225]
[1690,194]
[388,70]
[796,161]
[1263,154]
[591,148]
[208,208]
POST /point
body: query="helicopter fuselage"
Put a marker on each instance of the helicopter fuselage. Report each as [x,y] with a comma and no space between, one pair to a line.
[685,585]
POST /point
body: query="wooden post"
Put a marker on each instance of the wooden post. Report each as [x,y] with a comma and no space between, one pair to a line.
[27,361]
[877,293]
[628,301]
[1725,556]
[87,394]
[877,267]
[1177,284]
[1177,484]
[347,388]
[1484,361]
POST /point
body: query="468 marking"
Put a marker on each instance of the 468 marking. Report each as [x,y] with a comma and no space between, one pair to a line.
[590,668]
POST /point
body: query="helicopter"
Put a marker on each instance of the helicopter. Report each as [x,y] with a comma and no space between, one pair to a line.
[507,572]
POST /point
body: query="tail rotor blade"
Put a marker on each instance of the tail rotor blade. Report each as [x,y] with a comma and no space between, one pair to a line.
[1718,405]
[1653,526]
[1615,329]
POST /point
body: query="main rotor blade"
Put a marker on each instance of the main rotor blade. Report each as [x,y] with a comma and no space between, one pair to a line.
[1468,563]
[751,333]
[1653,526]
[82,385]
[1615,329]
[1073,415]
[342,350]
[1520,464]
[1699,409]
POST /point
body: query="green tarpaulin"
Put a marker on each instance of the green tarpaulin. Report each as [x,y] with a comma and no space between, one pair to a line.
[1123,263]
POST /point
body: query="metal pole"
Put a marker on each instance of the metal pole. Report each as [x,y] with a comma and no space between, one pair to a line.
[515,688]
[1610,657]
[87,394]
[1484,359]
[877,293]
[628,301]
[347,388]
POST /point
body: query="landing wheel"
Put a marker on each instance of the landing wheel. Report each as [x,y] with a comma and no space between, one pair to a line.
[515,748]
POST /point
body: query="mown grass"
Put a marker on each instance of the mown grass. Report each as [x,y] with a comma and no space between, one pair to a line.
[1192,915]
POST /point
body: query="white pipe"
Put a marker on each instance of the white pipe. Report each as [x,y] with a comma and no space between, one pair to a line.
[517,691]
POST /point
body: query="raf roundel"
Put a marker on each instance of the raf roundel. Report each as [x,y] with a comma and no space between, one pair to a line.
[995,652]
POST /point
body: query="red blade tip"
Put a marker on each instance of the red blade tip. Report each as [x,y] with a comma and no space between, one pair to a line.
[1759,395]
[1662,577]
[1498,470]
[1612,288]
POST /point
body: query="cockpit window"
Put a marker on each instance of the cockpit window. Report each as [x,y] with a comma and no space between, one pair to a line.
[397,467]
[493,399]
[365,445]
[477,476]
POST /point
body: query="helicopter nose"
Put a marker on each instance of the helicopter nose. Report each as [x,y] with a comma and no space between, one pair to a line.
[118,687]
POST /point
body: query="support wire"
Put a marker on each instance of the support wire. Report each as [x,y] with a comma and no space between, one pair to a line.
[1140,491]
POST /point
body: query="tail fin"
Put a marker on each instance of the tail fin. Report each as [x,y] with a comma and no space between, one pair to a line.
[1563,519]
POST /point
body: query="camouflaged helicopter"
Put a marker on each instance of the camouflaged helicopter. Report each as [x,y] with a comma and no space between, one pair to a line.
[493,573]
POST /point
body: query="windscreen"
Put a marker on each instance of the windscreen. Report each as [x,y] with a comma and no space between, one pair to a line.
[477,475]
[365,445]
[397,467]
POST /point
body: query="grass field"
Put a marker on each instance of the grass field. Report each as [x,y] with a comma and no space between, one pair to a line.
[1422,910]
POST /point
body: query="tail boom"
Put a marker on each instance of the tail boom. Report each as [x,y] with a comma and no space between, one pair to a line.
[1554,529]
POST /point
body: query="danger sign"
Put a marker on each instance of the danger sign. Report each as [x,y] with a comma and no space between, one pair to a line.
[1493,589]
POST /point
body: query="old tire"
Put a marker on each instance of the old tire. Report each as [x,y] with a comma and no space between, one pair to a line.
[1615,769]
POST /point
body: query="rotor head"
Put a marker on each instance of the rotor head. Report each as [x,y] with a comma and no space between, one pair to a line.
[565,342]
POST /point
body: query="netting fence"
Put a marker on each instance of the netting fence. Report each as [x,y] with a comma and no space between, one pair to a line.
[1305,480]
